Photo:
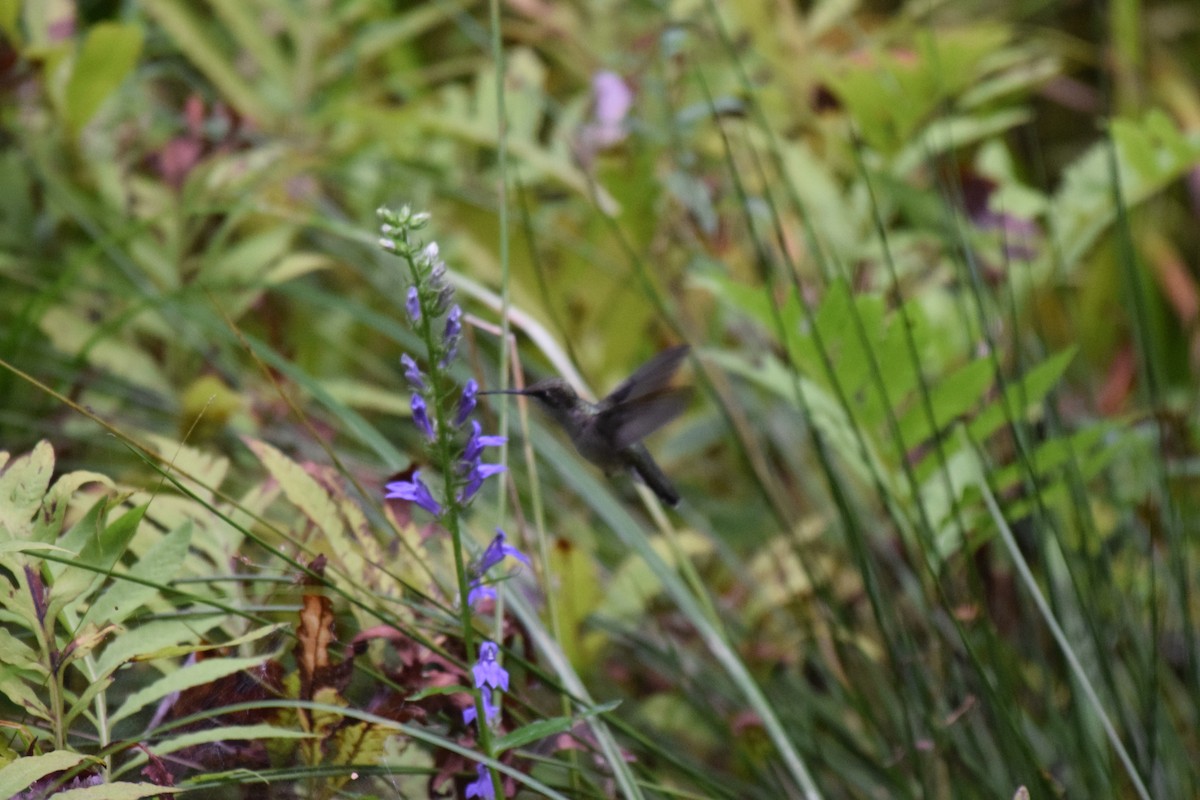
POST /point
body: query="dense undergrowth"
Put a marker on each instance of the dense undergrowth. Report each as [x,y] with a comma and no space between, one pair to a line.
[261,535]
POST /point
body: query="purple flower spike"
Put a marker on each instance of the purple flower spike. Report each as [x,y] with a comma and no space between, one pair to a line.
[466,404]
[487,669]
[421,416]
[414,491]
[481,787]
[412,304]
[412,373]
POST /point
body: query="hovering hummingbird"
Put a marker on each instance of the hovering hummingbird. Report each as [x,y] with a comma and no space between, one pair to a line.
[609,432]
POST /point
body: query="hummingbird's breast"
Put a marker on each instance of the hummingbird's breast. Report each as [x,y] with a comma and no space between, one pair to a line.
[598,448]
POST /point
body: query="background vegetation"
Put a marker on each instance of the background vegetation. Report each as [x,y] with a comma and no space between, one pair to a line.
[937,263]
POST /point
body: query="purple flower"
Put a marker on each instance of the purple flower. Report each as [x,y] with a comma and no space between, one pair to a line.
[466,403]
[479,593]
[613,99]
[476,442]
[437,282]
[444,295]
[429,253]
[475,478]
[489,677]
[490,710]
[421,415]
[487,669]
[453,325]
[412,373]
[469,466]
[414,491]
[412,304]
[482,786]
[451,334]
[498,550]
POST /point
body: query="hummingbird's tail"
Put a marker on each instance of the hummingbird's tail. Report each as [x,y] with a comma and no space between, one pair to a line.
[652,475]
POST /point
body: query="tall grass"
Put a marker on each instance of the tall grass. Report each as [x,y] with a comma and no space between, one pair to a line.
[937,481]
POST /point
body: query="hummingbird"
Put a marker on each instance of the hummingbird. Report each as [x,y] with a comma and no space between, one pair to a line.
[609,432]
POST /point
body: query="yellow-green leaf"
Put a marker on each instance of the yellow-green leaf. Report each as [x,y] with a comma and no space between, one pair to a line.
[110,51]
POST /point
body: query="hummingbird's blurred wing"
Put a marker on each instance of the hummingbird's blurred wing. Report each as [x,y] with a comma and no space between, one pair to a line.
[627,423]
[649,377]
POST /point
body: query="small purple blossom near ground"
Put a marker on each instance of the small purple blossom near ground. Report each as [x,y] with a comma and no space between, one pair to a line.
[482,785]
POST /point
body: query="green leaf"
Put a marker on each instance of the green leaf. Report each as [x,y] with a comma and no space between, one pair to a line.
[1050,456]
[300,488]
[838,224]
[19,775]
[532,732]
[955,133]
[941,490]
[117,791]
[48,524]
[546,727]
[455,117]
[245,263]
[294,265]
[438,690]
[195,39]
[635,583]
[186,677]
[153,637]
[71,333]
[204,469]
[158,566]
[356,743]
[576,566]
[753,301]
[68,581]
[950,397]
[110,51]
[23,484]
[15,687]
[227,733]
[1021,395]
[16,652]
[83,701]
[1150,154]
[10,11]
[890,93]
[99,550]
[365,395]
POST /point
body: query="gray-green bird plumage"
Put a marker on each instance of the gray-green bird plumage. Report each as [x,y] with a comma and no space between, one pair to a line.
[609,432]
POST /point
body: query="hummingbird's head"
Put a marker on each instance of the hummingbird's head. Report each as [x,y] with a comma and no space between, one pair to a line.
[554,393]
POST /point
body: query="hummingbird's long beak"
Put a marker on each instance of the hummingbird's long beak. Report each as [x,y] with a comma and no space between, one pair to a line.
[506,391]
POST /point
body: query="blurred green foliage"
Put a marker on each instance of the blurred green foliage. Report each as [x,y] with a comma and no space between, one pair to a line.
[937,264]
